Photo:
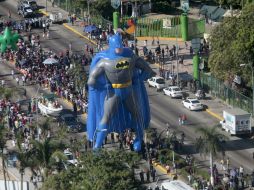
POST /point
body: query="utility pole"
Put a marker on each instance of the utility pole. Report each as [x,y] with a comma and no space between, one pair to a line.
[88,10]
[135,18]
[177,49]
[121,8]
[46,5]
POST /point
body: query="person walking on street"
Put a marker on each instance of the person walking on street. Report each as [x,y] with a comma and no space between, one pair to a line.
[227,163]
[9,13]
[3,83]
[241,171]
[12,73]
[17,80]
[153,174]
[23,80]
[184,118]
[180,120]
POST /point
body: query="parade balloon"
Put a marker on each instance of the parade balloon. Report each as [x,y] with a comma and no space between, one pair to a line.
[117,96]
[8,40]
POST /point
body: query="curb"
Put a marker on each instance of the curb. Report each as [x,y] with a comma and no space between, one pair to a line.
[78,33]
[214,114]
[44,12]
[162,169]
[159,38]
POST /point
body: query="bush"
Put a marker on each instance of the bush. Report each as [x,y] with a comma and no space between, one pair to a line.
[202,173]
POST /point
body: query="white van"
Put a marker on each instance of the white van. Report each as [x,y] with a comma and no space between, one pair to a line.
[175,185]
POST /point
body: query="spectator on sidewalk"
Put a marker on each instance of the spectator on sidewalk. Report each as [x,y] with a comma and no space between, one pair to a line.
[153,174]
[141,175]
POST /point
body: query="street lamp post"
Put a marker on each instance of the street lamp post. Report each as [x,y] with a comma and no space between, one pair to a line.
[46,5]
[88,10]
[135,18]
[252,82]
[195,43]
[94,134]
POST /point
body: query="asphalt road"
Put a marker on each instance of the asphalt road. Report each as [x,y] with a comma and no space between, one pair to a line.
[163,109]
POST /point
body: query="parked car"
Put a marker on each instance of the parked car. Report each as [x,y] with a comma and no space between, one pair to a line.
[73,124]
[157,82]
[192,104]
[173,91]
[70,157]
[25,10]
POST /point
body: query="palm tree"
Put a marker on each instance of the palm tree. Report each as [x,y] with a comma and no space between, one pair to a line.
[45,127]
[23,158]
[79,76]
[209,143]
[6,92]
[43,152]
[2,146]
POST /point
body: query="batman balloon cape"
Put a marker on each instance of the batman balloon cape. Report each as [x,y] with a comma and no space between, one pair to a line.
[117,96]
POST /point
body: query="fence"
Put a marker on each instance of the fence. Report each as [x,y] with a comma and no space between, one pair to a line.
[196,28]
[166,27]
[218,89]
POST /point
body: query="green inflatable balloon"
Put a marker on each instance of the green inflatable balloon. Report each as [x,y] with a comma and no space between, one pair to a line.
[8,39]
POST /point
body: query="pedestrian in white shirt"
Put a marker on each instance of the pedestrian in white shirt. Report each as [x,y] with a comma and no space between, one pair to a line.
[3,83]
[12,73]
[23,80]
[17,80]
[241,170]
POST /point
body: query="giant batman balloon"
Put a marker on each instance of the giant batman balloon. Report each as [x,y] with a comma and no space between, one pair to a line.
[117,96]
[8,39]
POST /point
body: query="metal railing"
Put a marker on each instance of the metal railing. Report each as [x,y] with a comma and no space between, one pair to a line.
[232,97]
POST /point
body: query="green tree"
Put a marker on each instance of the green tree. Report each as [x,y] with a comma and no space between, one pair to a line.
[232,44]
[44,154]
[23,158]
[103,8]
[209,144]
[99,170]
[79,75]
[2,147]
[6,93]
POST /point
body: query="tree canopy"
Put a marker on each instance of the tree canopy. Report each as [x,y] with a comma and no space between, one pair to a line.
[97,170]
[232,44]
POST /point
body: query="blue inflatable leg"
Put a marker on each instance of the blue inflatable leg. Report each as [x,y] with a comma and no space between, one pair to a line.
[139,138]
[100,135]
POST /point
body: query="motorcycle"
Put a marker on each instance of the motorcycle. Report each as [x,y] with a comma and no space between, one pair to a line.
[200,94]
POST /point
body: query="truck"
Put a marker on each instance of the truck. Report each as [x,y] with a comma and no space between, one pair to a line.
[175,185]
[236,121]
[56,17]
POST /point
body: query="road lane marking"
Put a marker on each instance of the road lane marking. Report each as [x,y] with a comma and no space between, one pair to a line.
[214,114]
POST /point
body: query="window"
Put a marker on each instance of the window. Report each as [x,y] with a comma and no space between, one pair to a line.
[247,122]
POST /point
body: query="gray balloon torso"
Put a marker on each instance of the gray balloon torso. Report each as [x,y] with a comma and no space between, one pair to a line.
[118,71]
